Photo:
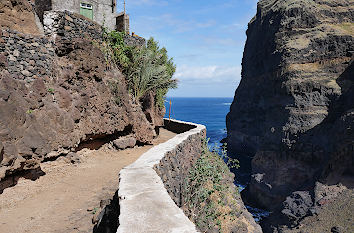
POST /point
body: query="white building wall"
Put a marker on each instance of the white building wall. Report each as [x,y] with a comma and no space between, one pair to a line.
[102,10]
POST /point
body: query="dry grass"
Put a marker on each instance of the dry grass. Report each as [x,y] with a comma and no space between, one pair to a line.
[318,65]
[211,198]
[342,29]
[348,27]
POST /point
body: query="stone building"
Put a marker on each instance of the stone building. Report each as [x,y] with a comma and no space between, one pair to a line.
[100,11]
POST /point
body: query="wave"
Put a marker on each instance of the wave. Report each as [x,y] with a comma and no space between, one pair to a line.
[226,104]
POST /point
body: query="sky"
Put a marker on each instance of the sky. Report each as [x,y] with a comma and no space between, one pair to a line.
[205,38]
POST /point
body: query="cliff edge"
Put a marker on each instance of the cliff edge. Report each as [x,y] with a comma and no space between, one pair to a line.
[292,114]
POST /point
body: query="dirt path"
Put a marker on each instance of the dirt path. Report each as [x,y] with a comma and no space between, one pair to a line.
[66,198]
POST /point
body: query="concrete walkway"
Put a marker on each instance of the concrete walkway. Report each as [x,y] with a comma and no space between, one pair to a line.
[145,205]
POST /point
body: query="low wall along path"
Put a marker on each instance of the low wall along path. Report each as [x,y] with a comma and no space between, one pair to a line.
[145,204]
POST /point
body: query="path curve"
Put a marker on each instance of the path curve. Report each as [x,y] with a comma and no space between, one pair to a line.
[67,197]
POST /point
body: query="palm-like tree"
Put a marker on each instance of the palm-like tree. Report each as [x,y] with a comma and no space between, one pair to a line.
[150,70]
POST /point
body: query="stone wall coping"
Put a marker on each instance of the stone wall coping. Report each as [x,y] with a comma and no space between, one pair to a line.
[145,205]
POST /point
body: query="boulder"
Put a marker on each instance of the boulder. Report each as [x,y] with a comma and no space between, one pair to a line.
[124,142]
[297,206]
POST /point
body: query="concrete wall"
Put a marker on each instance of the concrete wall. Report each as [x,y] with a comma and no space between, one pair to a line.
[103,11]
[145,204]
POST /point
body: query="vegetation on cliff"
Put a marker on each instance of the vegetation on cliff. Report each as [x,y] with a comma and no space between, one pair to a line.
[146,68]
[212,201]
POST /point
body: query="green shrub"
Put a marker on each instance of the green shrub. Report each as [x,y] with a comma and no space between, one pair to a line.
[116,50]
[147,68]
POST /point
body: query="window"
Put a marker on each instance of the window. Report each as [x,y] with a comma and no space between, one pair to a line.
[86,5]
[86,10]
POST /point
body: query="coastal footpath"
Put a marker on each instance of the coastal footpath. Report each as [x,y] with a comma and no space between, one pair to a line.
[291,122]
[71,120]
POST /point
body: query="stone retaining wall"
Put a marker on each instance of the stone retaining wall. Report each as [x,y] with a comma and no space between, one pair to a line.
[26,56]
[145,203]
[70,26]
[134,40]
[174,167]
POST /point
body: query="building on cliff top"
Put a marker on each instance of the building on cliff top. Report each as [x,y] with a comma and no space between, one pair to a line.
[101,11]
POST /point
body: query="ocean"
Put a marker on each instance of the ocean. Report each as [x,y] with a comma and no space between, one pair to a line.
[210,112]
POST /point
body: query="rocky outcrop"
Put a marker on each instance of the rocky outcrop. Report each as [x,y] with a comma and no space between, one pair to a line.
[56,96]
[18,15]
[154,114]
[293,111]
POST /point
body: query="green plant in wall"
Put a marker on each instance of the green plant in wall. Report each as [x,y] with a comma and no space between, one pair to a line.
[116,50]
[230,162]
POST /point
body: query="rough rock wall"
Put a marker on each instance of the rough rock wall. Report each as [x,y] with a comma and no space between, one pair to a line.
[41,6]
[18,15]
[134,40]
[291,111]
[57,95]
[175,165]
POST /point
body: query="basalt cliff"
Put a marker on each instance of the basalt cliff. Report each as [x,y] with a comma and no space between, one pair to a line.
[292,119]
[56,93]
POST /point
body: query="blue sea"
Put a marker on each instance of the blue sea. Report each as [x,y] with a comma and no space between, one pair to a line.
[210,112]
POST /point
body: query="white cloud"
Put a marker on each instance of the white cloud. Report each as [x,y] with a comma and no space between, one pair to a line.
[214,74]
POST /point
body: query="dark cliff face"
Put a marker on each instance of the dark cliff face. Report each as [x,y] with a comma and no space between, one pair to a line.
[58,96]
[293,110]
